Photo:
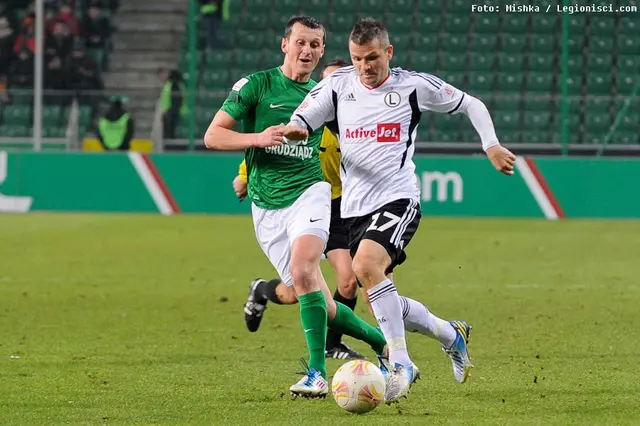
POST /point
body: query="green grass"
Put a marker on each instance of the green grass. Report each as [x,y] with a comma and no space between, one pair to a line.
[138,320]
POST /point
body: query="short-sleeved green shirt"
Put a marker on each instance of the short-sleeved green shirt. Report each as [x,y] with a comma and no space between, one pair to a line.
[276,176]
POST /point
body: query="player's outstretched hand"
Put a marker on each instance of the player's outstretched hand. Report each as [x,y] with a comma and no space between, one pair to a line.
[295,133]
[502,159]
[271,136]
[240,188]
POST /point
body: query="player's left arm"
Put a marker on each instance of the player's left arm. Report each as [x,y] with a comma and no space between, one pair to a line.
[439,96]
[316,109]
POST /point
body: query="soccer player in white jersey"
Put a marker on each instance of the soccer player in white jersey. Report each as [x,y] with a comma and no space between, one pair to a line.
[377,110]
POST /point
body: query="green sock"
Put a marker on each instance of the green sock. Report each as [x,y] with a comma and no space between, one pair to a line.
[313,315]
[347,322]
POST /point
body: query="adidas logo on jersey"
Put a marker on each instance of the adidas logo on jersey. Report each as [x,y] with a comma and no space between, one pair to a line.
[350,97]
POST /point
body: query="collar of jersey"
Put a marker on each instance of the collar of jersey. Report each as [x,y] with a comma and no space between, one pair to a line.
[379,84]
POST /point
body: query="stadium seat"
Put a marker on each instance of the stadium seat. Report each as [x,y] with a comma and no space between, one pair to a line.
[598,105]
[629,64]
[375,7]
[574,85]
[537,137]
[400,41]
[628,26]
[288,8]
[510,63]
[483,43]
[216,78]
[400,6]
[457,24]
[219,58]
[628,45]
[542,43]
[256,21]
[348,7]
[235,8]
[459,7]
[626,83]
[505,119]
[539,82]
[480,61]
[249,58]
[14,131]
[340,22]
[428,24]
[599,83]
[602,25]
[508,101]
[19,115]
[480,81]
[601,44]
[445,122]
[509,82]
[514,22]
[597,123]
[625,138]
[576,44]
[450,42]
[399,24]
[51,116]
[599,62]
[577,24]
[536,120]
[487,24]
[423,43]
[575,64]
[425,61]
[630,121]
[513,43]
[250,39]
[469,137]
[593,138]
[314,7]
[454,62]
[541,62]
[544,24]
[443,136]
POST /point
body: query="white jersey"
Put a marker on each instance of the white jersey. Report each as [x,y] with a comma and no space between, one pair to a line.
[377,129]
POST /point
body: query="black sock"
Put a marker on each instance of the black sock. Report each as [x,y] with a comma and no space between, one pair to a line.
[267,290]
[334,338]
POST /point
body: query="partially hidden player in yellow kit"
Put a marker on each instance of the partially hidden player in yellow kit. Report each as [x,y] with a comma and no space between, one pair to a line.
[337,250]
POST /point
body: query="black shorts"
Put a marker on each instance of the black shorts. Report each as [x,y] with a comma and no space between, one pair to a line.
[338,236]
[392,226]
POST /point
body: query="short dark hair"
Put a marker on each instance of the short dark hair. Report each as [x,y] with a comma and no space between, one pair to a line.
[335,62]
[368,30]
[306,21]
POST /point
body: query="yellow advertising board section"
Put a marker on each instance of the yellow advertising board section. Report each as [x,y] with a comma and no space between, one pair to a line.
[138,145]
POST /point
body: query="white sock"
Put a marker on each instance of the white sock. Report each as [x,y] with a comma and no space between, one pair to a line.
[418,319]
[385,303]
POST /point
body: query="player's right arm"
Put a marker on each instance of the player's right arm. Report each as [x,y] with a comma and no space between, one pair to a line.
[240,103]
[316,109]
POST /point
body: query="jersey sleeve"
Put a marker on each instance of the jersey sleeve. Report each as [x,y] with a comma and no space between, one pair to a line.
[318,106]
[243,97]
[242,171]
[437,95]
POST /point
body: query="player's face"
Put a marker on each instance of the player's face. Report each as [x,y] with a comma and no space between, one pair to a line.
[371,61]
[303,49]
[329,70]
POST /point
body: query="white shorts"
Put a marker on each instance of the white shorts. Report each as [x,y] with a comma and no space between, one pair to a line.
[276,230]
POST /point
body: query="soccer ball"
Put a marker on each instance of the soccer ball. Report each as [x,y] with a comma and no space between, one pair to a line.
[358,386]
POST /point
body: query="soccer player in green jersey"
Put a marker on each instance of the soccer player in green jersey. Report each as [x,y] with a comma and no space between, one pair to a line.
[291,202]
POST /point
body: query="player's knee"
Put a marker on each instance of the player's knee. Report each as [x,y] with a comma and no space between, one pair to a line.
[348,284]
[303,274]
[366,269]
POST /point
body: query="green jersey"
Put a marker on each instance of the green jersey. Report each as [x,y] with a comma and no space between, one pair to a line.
[276,176]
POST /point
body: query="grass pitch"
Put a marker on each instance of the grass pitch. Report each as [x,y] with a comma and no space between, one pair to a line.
[138,320]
